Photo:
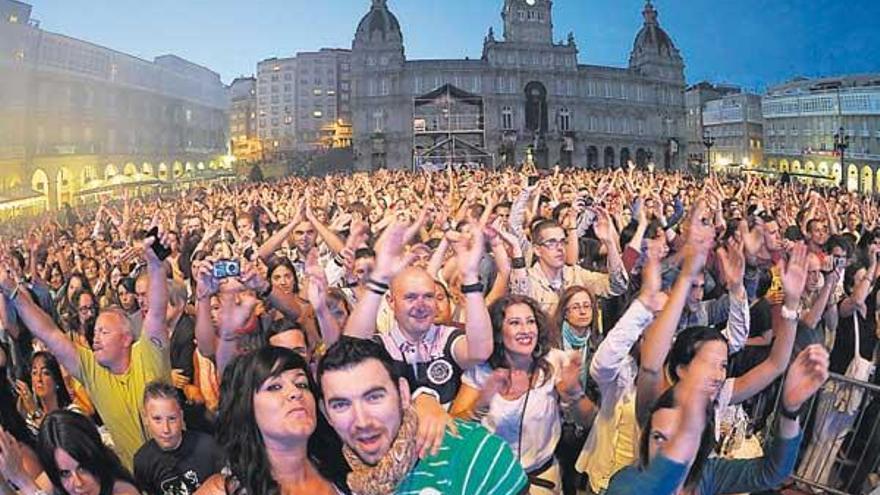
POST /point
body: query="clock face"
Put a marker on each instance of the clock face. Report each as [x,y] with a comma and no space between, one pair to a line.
[531,2]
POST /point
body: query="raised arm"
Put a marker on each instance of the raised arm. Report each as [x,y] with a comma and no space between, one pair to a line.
[476,346]
[268,248]
[658,338]
[794,279]
[38,322]
[334,242]
[154,321]
[390,260]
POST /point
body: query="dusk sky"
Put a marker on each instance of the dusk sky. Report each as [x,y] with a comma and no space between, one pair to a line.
[753,43]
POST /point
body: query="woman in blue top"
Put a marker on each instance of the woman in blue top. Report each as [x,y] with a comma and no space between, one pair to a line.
[678,437]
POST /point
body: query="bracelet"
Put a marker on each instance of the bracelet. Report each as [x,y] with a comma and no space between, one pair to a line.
[792,415]
[518,262]
[472,288]
[377,284]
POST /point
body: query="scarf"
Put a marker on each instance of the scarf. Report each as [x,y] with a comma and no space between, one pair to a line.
[571,341]
[394,466]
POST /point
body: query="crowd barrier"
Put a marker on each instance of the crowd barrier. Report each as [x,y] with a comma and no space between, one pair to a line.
[841,447]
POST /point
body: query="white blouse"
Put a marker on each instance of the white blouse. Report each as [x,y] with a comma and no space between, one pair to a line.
[542,422]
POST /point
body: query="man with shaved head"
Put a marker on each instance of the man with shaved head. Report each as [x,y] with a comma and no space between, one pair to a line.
[431,357]
[118,367]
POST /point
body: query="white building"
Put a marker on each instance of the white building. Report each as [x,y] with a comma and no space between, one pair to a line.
[801,118]
[525,92]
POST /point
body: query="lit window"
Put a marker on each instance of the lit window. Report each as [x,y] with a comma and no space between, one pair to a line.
[316,92]
[317,114]
[13,18]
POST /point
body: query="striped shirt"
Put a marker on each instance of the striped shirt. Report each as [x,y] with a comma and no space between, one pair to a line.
[473,463]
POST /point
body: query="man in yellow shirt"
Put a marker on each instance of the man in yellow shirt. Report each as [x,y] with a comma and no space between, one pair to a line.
[117,368]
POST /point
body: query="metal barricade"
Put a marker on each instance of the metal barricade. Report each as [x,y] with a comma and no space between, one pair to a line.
[841,447]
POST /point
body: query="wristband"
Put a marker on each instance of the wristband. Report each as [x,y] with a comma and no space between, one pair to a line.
[472,288]
[377,284]
[375,290]
[518,262]
[792,415]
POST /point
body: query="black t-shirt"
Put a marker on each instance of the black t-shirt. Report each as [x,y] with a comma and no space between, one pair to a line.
[180,471]
[183,346]
[760,318]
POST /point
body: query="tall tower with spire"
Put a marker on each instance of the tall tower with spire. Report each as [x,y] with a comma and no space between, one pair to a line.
[654,54]
[528,21]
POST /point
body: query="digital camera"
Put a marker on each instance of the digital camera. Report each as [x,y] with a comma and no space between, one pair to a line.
[226,269]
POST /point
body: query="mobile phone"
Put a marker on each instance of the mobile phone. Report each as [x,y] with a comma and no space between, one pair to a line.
[161,251]
[226,269]
[533,179]
[839,262]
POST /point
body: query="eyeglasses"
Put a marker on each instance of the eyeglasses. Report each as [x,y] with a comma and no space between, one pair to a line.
[579,307]
[552,243]
[86,310]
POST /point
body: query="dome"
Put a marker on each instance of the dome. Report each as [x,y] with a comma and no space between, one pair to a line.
[652,39]
[379,24]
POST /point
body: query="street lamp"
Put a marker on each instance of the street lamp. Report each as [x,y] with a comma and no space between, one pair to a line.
[841,143]
[708,142]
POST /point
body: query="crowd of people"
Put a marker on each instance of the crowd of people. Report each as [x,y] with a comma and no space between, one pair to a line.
[515,331]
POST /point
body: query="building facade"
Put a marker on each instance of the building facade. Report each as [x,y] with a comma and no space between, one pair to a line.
[77,117]
[736,124]
[304,102]
[801,118]
[695,98]
[526,95]
[244,142]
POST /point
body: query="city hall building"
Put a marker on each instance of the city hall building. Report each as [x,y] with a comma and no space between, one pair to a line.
[527,94]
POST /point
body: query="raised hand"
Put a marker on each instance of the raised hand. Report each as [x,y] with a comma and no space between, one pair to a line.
[316,278]
[806,374]
[794,275]
[206,284]
[390,256]
[651,295]
[12,460]
[468,251]
[733,262]
[569,384]
[604,228]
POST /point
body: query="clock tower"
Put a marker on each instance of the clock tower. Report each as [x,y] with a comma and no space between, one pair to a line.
[528,21]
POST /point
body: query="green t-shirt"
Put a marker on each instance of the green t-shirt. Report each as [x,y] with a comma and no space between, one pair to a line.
[474,463]
[118,398]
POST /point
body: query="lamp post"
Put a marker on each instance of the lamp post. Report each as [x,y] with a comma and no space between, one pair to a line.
[841,143]
[708,142]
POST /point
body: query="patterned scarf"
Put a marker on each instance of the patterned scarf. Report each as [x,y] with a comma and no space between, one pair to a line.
[394,466]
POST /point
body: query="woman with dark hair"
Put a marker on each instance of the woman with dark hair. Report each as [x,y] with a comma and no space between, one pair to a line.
[518,393]
[678,437]
[65,304]
[73,457]
[47,393]
[283,279]
[267,417]
[126,296]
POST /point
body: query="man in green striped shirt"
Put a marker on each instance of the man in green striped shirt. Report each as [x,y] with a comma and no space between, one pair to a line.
[368,404]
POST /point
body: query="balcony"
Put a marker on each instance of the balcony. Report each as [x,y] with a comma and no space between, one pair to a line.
[11,152]
[50,149]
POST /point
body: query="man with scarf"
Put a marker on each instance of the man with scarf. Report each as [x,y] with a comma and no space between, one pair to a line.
[368,403]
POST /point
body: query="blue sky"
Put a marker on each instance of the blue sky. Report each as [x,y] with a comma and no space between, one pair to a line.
[753,43]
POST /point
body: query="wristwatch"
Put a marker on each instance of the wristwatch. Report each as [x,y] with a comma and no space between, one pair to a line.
[790,314]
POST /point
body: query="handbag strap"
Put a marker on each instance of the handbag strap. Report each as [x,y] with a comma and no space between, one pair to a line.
[856,335]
